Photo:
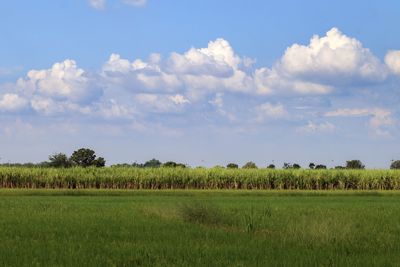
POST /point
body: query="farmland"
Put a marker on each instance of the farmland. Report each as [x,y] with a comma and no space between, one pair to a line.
[197,178]
[199,228]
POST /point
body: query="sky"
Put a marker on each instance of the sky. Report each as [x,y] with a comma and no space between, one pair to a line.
[201,82]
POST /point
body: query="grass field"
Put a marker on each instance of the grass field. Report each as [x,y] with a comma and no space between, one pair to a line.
[199,228]
[198,178]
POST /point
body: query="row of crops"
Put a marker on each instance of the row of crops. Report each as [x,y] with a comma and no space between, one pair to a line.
[184,178]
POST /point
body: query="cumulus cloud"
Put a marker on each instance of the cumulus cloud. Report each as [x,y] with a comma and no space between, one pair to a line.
[332,59]
[63,81]
[12,103]
[157,103]
[97,4]
[392,60]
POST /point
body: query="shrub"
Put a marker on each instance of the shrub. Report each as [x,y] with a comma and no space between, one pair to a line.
[271,166]
[153,163]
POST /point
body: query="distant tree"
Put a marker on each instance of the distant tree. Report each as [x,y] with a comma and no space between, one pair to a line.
[271,166]
[320,166]
[287,165]
[296,166]
[339,168]
[232,166]
[395,164]
[85,157]
[250,165]
[59,160]
[219,167]
[354,164]
[99,162]
[137,165]
[153,163]
[170,164]
[311,166]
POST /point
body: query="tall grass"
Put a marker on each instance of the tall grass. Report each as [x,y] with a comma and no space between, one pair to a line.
[180,178]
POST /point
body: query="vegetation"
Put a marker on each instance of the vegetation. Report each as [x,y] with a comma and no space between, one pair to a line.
[395,164]
[250,165]
[198,178]
[232,166]
[354,164]
[198,228]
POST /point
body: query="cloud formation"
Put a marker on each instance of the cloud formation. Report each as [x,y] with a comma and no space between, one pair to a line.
[212,80]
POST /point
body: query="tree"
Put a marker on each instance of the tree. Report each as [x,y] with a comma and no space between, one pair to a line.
[59,160]
[271,166]
[395,164]
[99,162]
[153,163]
[287,166]
[172,164]
[250,165]
[311,166]
[339,168]
[296,166]
[354,164]
[232,166]
[85,157]
[320,166]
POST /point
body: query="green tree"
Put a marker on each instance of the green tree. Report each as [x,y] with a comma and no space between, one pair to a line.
[59,160]
[250,165]
[153,163]
[85,157]
[320,166]
[395,165]
[354,164]
[232,166]
[271,166]
[296,166]
[311,166]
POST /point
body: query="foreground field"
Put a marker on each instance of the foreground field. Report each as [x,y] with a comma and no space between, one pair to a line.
[199,228]
[199,178]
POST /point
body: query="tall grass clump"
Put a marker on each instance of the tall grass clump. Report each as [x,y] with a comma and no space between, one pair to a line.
[199,178]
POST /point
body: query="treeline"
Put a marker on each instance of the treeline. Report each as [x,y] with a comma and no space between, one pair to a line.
[85,157]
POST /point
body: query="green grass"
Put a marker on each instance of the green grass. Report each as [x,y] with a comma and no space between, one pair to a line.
[215,178]
[199,228]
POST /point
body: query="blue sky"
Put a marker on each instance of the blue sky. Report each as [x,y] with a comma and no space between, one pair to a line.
[201,82]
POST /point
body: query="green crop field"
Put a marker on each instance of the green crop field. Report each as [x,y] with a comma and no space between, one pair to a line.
[199,228]
[198,178]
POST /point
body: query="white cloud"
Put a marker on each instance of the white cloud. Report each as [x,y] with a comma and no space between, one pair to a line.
[312,128]
[332,59]
[97,4]
[392,60]
[12,102]
[269,111]
[157,103]
[64,81]
[135,2]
